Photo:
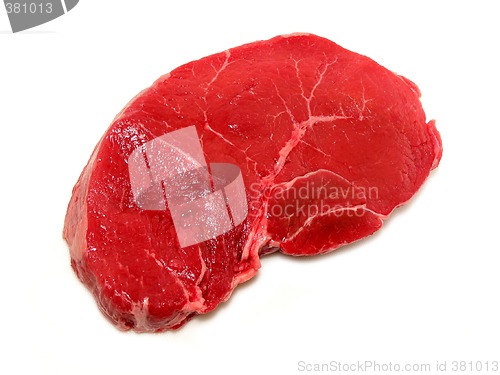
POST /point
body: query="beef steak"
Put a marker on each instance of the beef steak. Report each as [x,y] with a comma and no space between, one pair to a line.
[326,144]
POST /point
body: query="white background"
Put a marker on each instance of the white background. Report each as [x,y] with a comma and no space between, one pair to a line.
[425,288]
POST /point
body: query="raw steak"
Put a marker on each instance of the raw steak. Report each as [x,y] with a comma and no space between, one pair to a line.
[326,141]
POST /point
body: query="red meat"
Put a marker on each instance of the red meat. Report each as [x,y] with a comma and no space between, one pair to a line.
[328,143]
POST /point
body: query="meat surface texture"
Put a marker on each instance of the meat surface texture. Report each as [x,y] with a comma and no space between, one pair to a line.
[328,143]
